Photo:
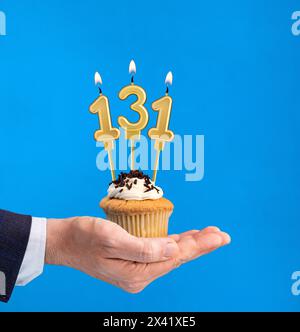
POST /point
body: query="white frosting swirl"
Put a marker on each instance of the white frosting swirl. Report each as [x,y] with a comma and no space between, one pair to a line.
[138,191]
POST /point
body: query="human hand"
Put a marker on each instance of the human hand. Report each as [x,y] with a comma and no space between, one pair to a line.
[106,251]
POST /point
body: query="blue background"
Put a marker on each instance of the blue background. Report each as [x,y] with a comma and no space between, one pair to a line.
[236,71]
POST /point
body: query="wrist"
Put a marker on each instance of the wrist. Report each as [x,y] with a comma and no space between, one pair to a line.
[57,230]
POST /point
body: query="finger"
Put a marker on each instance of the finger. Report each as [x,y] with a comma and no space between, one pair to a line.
[190,247]
[209,229]
[177,237]
[226,238]
[199,244]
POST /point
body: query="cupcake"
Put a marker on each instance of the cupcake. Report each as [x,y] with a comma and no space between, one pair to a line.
[137,205]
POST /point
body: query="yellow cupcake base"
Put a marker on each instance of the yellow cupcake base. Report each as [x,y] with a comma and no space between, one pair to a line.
[148,218]
[145,225]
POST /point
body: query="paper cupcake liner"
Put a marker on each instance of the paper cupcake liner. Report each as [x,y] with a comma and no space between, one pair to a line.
[153,224]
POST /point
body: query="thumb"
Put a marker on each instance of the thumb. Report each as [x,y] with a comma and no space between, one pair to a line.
[145,250]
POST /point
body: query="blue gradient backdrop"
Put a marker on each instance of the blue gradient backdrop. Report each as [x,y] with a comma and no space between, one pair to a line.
[236,67]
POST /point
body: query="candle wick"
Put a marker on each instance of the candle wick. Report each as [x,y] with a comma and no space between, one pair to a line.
[167,90]
[132,79]
[100,90]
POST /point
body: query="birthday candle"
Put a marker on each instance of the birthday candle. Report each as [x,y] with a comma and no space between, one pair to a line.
[161,133]
[106,134]
[133,129]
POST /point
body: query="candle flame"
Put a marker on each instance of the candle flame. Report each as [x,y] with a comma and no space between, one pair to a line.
[132,67]
[169,78]
[98,79]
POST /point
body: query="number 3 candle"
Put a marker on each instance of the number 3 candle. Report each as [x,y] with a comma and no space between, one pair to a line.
[107,134]
[133,130]
[161,133]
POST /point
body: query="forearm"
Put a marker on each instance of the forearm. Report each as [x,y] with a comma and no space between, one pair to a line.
[58,241]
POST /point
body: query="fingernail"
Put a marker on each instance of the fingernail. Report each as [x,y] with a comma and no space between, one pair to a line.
[226,238]
[171,249]
[213,228]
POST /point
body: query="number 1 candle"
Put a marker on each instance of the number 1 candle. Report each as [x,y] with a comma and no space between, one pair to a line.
[161,134]
[133,130]
[106,134]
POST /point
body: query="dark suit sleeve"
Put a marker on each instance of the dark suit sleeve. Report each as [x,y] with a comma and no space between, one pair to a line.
[14,237]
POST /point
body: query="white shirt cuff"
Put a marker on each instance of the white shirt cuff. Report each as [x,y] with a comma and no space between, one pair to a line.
[33,262]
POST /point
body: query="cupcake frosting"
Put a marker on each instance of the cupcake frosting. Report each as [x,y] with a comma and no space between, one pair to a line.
[134,186]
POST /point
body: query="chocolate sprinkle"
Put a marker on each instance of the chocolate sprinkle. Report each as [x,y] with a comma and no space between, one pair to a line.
[156,189]
[129,186]
[123,180]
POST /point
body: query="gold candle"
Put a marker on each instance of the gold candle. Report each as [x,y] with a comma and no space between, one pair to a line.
[133,130]
[161,134]
[106,134]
